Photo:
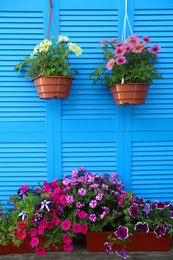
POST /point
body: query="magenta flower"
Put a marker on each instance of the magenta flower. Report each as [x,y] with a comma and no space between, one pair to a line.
[57,190]
[106,209]
[119,51]
[92,217]
[95,185]
[34,241]
[66,224]
[155,48]
[44,223]
[47,189]
[33,232]
[68,248]
[104,186]
[146,39]
[79,205]
[122,232]
[103,215]
[82,168]
[66,239]
[25,187]
[82,191]
[160,205]
[128,48]
[69,199]
[55,221]
[76,228]
[122,253]
[50,225]
[41,251]
[120,60]
[171,214]
[82,214]
[108,247]
[52,212]
[63,200]
[120,44]
[83,228]
[142,226]
[167,204]
[99,196]
[103,42]
[93,203]
[133,211]
[40,229]
[110,64]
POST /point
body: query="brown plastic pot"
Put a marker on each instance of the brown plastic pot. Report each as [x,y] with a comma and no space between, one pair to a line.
[53,87]
[129,93]
[141,241]
[25,247]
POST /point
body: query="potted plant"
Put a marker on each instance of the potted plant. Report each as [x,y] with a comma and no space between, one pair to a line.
[50,69]
[113,219]
[127,68]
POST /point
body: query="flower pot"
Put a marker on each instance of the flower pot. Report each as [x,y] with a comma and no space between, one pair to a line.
[53,87]
[129,93]
[25,247]
[141,241]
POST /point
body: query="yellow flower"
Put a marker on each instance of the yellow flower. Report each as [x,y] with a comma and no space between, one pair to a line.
[35,51]
[73,47]
[44,46]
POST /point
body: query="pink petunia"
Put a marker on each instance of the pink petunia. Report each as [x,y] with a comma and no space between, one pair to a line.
[44,223]
[63,200]
[54,183]
[82,191]
[57,190]
[57,199]
[115,40]
[22,224]
[37,190]
[46,184]
[155,48]
[146,39]
[47,189]
[92,217]
[83,228]
[79,204]
[69,199]
[82,214]
[133,42]
[25,187]
[21,234]
[68,248]
[55,221]
[15,207]
[11,200]
[76,228]
[33,232]
[132,37]
[93,203]
[82,168]
[120,60]
[120,44]
[103,42]
[34,241]
[137,48]
[52,212]
[66,239]
[66,224]
[119,51]
[50,225]
[128,48]
[40,229]
[110,64]
[99,196]
[41,251]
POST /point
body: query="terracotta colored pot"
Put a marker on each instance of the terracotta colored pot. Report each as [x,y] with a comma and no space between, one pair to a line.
[129,93]
[141,241]
[53,87]
[25,247]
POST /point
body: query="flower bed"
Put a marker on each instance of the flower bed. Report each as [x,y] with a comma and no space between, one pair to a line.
[80,203]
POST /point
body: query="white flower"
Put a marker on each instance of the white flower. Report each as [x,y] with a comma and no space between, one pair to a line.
[75,48]
[44,45]
[63,38]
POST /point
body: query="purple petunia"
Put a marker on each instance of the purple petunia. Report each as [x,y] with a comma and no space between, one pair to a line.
[160,230]
[122,253]
[45,204]
[142,226]
[23,215]
[171,214]
[146,209]
[108,247]
[160,205]
[133,211]
[167,204]
[21,193]
[122,232]
[139,201]
[154,204]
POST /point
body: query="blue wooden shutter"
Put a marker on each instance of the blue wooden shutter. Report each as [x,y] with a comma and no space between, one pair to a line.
[23,143]
[149,127]
[88,130]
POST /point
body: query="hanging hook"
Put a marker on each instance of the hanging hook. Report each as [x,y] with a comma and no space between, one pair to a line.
[50,1]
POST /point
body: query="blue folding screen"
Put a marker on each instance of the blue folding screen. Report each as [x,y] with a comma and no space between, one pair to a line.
[46,139]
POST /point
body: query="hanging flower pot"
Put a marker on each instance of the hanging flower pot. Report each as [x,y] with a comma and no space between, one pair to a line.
[53,87]
[129,93]
[141,241]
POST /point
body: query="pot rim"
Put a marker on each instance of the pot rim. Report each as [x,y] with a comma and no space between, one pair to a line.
[53,77]
[130,83]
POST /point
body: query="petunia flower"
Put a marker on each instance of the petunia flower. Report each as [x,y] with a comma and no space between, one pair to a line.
[69,199]
[40,229]
[22,224]
[137,48]
[83,228]
[119,51]
[82,168]
[25,187]
[82,191]
[108,247]
[68,248]
[160,205]
[103,42]
[33,232]
[76,228]
[155,48]
[73,47]
[34,241]
[50,225]
[52,212]
[82,214]
[93,203]
[122,232]
[62,38]
[66,239]
[41,251]
[120,60]
[146,209]
[133,211]
[160,230]
[63,200]
[142,226]
[92,217]
[55,221]
[44,45]
[21,193]
[122,253]
[171,214]
[66,224]
[45,204]
[23,215]
[99,196]
[21,234]
[146,39]
[132,37]
[110,65]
